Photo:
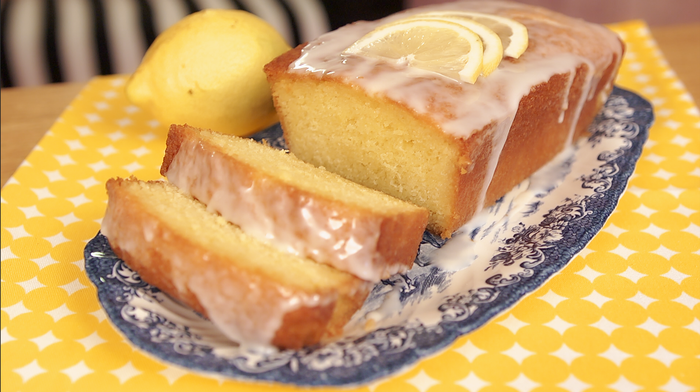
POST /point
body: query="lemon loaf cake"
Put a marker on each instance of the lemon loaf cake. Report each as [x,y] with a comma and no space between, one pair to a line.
[450,144]
[294,205]
[251,291]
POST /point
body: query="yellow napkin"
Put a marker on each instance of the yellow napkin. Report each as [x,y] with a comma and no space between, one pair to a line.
[624,315]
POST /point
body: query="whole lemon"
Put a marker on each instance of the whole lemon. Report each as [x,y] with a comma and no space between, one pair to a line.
[207,71]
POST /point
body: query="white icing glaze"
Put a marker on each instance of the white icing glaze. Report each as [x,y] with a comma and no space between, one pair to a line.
[491,98]
[273,213]
[235,309]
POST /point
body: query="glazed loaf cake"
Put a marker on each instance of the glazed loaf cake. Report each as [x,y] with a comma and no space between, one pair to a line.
[294,205]
[251,291]
[449,146]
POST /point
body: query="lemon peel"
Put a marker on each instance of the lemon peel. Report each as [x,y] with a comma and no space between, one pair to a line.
[513,34]
[445,47]
[493,47]
[207,71]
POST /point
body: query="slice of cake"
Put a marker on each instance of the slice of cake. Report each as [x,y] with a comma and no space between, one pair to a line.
[450,146]
[299,208]
[251,291]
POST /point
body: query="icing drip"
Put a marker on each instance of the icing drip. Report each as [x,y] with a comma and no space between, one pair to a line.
[586,94]
[238,322]
[499,140]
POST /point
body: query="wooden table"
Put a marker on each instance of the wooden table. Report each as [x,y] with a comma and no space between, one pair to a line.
[27,113]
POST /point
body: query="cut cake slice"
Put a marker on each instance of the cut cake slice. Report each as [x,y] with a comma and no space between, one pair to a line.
[251,291]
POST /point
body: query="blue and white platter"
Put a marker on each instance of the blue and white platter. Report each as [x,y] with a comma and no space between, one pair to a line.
[454,287]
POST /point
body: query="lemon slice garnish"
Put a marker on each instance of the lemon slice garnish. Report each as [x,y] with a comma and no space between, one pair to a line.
[440,46]
[493,48]
[513,34]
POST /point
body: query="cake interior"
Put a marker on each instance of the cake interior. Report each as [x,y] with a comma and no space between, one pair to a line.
[370,142]
[290,170]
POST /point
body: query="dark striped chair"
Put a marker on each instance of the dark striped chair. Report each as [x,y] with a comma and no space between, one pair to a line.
[49,41]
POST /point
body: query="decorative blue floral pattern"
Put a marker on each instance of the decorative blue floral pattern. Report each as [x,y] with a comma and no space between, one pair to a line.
[550,231]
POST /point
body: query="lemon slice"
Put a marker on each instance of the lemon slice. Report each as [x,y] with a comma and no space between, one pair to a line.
[513,34]
[447,48]
[493,48]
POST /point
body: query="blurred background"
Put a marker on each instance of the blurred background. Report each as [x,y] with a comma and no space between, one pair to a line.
[654,12]
[51,41]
